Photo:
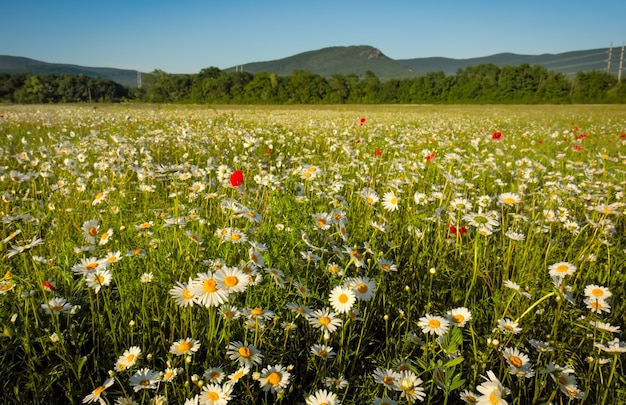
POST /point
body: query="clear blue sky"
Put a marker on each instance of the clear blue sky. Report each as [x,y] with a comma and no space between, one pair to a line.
[186,36]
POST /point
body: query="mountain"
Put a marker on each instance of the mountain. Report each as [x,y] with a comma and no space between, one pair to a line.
[16,64]
[344,60]
[569,63]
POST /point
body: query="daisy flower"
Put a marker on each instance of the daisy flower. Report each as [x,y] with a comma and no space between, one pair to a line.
[390,201]
[597,305]
[323,351]
[363,287]
[90,230]
[468,396]
[182,294]
[370,196]
[509,326]
[128,358]
[231,279]
[144,379]
[322,397]
[185,346]
[98,279]
[215,394]
[597,292]
[338,383]
[342,299]
[57,305]
[492,390]
[238,375]
[387,378]
[206,290]
[95,395]
[509,199]
[274,378]
[104,237]
[246,354]
[214,375]
[322,220]
[433,324]
[325,320]
[170,373]
[89,265]
[515,358]
[561,269]
[612,347]
[387,265]
[459,316]
[410,388]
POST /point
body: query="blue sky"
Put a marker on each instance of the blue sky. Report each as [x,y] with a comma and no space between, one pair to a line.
[186,36]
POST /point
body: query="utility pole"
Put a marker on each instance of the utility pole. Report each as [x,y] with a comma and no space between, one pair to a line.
[608,66]
[138,79]
[621,61]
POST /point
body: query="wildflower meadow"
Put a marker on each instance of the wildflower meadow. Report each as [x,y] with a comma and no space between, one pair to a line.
[156,254]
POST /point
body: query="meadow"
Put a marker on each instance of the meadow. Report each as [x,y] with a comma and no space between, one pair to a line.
[156,254]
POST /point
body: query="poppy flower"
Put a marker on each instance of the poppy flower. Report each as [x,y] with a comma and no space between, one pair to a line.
[430,157]
[236,179]
[362,121]
[48,285]
[623,136]
[378,152]
[496,135]
[457,231]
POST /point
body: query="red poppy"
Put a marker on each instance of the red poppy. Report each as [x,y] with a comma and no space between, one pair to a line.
[623,136]
[268,152]
[48,286]
[362,121]
[378,152]
[460,231]
[236,179]
[430,157]
[496,135]
[577,147]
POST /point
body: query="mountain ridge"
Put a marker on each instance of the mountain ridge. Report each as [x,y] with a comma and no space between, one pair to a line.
[346,60]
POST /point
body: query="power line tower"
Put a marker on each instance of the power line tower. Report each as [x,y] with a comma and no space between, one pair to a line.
[138,79]
[621,61]
[608,66]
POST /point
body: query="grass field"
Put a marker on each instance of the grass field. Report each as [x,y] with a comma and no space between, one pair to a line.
[349,254]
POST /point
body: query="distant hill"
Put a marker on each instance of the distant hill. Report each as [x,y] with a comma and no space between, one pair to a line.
[17,64]
[346,60]
[359,59]
[569,63]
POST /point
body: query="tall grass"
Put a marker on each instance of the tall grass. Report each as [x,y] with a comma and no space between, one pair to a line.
[496,272]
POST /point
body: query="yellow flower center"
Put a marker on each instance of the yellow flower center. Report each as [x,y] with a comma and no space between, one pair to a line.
[144,383]
[187,294]
[256,311]
[597,292]
[434,323]
[562,268]
[213,396]
[184,346]
[321,222]
[343,298]
[324,320]
[209,285]
[97,391]
[509,200]
[92,231]
[515,361]
[235,236]
[274,378]
[458,318]
[99,195]
[91,266]
[388,380]
[362,288]
[244,351]
[231,281]
[494,398]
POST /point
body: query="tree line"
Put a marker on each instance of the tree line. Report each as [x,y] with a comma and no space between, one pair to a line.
[485,84]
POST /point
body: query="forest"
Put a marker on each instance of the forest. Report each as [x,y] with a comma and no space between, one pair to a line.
[482,84]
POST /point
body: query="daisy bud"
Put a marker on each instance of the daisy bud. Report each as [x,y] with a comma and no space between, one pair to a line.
[256,375]
[188,359]
[111,373]
[195,378]
[131,323]
[407,288]
[200,383]
[432,270]
[386,317]
[149,356]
